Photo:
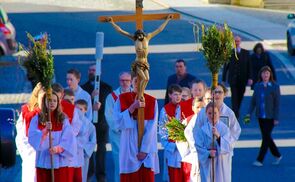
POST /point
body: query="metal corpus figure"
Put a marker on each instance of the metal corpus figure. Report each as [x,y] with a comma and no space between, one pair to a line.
[141,41]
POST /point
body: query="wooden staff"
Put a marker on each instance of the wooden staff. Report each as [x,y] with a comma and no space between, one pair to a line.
[48,96]
[140,118]
[212,144]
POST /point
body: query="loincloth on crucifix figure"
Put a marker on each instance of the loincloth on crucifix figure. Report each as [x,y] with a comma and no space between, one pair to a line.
[140,66]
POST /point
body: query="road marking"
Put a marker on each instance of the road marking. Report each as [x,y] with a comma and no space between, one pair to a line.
[257,143]
[241,144]
[19,98]
[163,48]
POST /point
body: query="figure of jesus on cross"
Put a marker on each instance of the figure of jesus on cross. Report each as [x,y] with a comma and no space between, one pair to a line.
[141,41]
[140,66]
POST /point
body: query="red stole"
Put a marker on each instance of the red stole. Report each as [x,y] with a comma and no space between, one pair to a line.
[170,109]
[186,108]
[68,109]
[28,115]
[188,119]
[126,99]
[115,97]
[56,126]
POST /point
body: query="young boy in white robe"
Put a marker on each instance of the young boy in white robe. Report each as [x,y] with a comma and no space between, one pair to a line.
[137,164]
[172,157]
[190,151]
[213,143]
[87,137]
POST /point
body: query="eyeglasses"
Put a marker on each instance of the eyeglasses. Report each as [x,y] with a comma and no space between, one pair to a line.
[125,80]
[218,92]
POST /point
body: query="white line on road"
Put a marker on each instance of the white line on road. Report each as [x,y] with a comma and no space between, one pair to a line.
[241,144]
[164,48]
[159,94]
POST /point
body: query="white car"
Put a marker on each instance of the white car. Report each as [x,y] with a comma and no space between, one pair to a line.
[8,44]
[291,35]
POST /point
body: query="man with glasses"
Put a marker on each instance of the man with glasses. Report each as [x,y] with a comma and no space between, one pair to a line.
[114,134]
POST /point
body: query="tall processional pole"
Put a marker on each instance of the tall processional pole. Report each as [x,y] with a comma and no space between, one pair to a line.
[98,57]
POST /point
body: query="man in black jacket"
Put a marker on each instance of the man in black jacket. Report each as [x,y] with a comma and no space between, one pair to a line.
[181,77]
[238,74]
[101,126]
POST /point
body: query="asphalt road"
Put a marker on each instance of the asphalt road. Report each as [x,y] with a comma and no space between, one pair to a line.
[72,30]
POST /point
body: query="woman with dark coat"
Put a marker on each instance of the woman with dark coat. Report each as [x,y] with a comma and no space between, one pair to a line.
[260,58]
[266,101]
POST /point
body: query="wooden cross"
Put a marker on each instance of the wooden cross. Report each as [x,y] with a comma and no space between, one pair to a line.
[139,17]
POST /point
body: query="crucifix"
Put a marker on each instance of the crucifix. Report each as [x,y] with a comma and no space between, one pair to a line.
[140,66]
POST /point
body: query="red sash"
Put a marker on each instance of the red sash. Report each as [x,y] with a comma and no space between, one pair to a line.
[170,109]
[68,109]
[56,126]
[188,119]
[28,115]
[126,99]
[115,97]
[186,108]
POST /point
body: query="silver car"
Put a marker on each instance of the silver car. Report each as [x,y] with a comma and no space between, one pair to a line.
[8,44]
[291,35]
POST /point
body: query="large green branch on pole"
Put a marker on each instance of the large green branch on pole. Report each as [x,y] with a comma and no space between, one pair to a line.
[39,64]
[39,61]
[217,44]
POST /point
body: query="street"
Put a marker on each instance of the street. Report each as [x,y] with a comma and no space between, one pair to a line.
[72,35]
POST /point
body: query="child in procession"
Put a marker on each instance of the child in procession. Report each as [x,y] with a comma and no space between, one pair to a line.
[137,164]
[26,151]
[64,146]
[88,137]
[198,89]
[213,143]
[172,157]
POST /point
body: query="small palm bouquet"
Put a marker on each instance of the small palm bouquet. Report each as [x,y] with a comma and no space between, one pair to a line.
[175,129]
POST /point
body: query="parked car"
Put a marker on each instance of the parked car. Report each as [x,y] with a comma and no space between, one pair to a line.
[8,44]
[291,35]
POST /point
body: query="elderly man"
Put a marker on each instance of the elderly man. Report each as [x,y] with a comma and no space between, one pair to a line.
[114,134]
[238,74]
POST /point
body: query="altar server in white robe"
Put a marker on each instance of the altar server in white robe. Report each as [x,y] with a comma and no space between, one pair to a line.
[137,164]
[227,116]
[86,138]
[26,151]
[177,170]
[64,146]
[114,135]
[219,150]
[189,152]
